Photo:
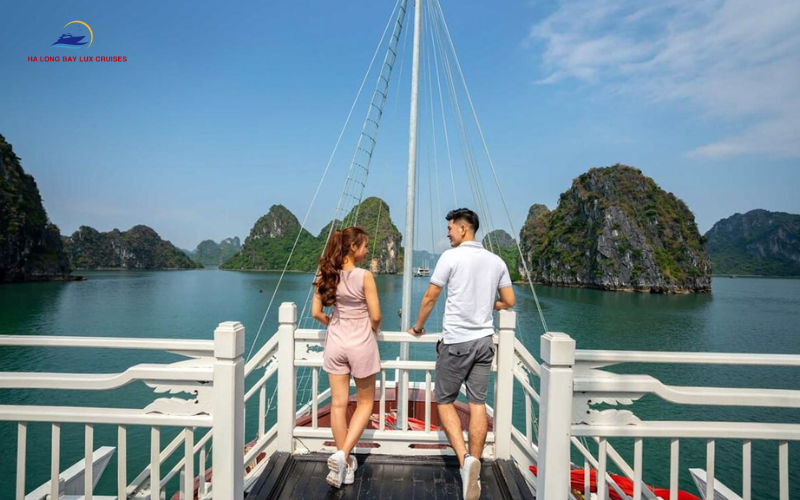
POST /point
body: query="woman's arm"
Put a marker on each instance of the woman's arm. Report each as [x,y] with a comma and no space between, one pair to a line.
[316,310]
[373,304]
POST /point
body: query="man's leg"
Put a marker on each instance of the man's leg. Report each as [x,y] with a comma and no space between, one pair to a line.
[478,426]
[477,383]
[452,428]
[450,373]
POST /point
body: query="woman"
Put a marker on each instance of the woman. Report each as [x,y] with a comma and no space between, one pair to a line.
[350,345]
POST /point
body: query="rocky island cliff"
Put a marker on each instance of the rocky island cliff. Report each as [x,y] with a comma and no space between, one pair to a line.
[211,253]
[30,245]
[503,244]
[385,249]
[759,242]
[616,229]
[269,245]
[137,248]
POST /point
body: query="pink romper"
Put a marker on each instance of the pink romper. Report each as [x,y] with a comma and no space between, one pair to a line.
[350,346]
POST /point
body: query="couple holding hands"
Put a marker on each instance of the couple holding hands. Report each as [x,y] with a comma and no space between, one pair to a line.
[477,283]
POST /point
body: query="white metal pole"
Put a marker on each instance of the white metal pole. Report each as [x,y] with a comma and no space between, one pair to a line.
[408,261]
[412,181]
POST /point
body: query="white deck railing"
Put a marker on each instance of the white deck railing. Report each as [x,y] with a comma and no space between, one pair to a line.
[217,376]
[214,374]
[572,382]
[305,347]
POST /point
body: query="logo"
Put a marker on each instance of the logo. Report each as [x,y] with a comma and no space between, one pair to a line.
[77,35]
[76,41]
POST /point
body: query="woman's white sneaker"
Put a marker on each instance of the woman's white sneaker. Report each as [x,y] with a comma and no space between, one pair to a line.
[338,469]
[352,465]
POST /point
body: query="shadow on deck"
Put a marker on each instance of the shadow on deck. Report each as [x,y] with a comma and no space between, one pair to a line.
[385,477]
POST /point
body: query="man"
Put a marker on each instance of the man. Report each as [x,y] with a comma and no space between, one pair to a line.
[473,277]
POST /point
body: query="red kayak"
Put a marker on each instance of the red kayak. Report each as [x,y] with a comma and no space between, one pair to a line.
[576,481]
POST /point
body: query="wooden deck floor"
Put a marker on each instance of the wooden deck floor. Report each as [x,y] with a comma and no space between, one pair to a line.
[385,478]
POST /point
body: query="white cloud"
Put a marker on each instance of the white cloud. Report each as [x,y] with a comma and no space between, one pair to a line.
[735,60]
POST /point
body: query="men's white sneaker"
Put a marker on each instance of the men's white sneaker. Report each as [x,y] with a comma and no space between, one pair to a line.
[352,465]
[338,469]
[470,478]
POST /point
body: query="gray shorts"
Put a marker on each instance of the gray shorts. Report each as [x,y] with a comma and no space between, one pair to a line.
[468,362]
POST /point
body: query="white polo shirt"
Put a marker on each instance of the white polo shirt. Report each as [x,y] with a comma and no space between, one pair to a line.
[472,276]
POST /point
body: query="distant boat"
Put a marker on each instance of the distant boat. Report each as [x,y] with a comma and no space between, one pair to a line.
[422,272]
[68,39]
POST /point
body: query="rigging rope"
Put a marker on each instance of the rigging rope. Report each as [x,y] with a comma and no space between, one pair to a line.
[362,157]
[491,163]
[441,52]
[319,186]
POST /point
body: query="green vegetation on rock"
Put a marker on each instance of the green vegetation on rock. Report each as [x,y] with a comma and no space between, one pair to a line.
[504,245]
[757,243]
[209,253]
[270,242]
[138,248]
[616,229]
[30,245]
[385,250]
[269,245]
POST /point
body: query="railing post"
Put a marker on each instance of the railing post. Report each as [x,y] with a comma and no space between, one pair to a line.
[287,398]
[555,411]
[504,392]
[228,460]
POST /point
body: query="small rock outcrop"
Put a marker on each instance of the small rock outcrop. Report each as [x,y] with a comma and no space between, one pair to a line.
[756,243]
[616,229]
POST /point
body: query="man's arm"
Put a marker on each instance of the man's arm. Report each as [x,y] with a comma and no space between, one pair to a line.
[425,308]
[507,298]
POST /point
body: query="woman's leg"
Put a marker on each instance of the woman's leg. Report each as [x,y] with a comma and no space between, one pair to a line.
[340,394]
[365,391]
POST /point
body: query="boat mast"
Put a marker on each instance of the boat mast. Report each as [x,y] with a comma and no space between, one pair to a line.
[405,320]
[408,274]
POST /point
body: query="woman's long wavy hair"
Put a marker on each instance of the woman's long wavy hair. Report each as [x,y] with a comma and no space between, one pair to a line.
[330,264]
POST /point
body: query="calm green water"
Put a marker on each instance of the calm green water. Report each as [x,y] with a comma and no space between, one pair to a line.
[743,315]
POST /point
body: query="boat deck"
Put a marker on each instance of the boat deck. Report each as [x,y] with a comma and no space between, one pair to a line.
[385,477]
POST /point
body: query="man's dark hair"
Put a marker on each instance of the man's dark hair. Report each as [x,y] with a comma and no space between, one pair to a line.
[466,215]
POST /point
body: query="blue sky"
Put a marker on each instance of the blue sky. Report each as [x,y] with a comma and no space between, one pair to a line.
[223,110]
